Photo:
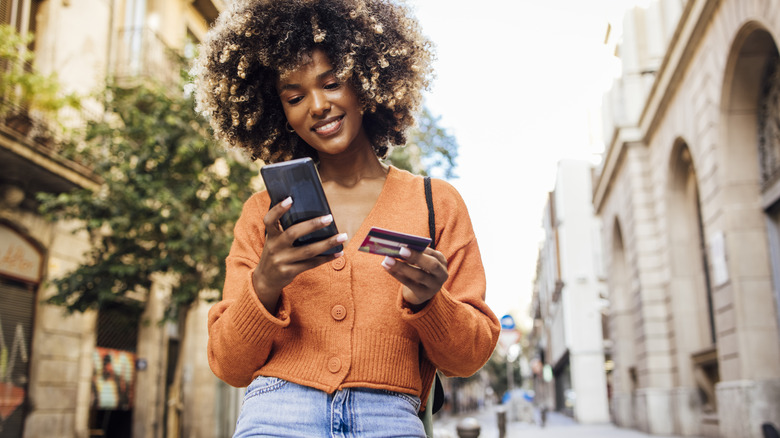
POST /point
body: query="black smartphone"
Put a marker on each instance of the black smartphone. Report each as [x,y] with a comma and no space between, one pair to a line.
[300,180]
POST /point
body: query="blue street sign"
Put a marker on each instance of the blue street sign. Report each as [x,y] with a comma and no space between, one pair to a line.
[507,322]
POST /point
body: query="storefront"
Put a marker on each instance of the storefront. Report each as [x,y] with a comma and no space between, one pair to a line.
[21,265]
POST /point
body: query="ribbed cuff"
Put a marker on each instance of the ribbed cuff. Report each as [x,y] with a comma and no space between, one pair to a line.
[433,321]
[253,322]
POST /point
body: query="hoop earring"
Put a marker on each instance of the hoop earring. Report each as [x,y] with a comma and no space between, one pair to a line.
[289,128]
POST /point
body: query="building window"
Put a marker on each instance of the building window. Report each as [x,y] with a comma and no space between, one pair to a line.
[769,125]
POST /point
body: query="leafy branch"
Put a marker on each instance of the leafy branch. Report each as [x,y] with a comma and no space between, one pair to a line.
[170,197]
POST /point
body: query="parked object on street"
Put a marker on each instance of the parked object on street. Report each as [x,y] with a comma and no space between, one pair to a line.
[468,428]
[501,419]
[769,430]
[543,416]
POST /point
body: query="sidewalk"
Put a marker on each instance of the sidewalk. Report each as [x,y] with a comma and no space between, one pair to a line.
[558,426]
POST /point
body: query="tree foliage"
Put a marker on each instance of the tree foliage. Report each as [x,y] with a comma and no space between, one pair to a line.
[170,197]
[23,85]
[431,150]
[497,368]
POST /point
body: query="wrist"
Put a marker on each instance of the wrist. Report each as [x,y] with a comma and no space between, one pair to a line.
[414,308]
[269,297]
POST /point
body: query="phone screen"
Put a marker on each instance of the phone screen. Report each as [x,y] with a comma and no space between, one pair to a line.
[299,179]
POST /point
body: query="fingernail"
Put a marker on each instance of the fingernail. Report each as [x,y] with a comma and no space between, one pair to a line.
[327,219]
[287,201]
[404,252]
[339,254]
[341,238]
[388,262]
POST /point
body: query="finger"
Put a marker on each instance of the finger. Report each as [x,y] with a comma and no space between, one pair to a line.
[437,254]
[307,227]
[317,260]
[275,213]
[315,249]
[429,260]
[286,264]
[413,293]
[411,276]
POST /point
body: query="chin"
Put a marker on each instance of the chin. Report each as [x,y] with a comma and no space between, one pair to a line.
[330,148]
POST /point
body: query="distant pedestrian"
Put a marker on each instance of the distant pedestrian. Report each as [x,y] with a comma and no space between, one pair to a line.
[345,343]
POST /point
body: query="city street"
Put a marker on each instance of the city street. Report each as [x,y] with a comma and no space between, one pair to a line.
[558,426]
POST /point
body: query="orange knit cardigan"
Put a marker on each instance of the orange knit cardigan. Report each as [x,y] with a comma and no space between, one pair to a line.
[343,324]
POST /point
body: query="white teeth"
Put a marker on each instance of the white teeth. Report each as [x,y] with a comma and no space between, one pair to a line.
[330,125]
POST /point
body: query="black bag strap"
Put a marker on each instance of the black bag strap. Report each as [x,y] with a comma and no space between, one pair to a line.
[438,390]
[431,212]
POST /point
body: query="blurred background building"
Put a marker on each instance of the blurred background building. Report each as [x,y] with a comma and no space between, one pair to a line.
[688,196]
[107,372]
[568,300]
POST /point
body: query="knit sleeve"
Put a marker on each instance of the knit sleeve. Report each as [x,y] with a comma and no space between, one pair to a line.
[457,328]
[241,330]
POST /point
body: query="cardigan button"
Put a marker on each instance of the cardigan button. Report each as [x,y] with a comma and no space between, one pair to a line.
[338,312]
[334,365]
[339,263]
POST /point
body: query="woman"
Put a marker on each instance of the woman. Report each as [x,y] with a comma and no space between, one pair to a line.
[343,344]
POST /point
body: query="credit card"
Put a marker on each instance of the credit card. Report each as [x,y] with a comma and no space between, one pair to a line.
[389,243]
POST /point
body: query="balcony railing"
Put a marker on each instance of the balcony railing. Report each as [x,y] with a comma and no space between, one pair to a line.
[28,125]
[141,54]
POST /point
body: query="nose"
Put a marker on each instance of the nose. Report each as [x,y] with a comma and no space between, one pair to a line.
[320,104]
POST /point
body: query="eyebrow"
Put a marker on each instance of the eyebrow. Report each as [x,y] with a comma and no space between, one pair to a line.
[320,77]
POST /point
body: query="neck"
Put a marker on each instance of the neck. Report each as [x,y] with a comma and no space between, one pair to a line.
[348,168]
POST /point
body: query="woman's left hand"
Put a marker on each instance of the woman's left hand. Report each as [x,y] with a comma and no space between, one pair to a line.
[421,273]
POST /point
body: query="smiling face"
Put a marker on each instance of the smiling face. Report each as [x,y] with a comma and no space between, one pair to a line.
[323,111]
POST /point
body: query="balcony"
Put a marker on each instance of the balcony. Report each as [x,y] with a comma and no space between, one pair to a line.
[142,55]
[209,9]
[30,157]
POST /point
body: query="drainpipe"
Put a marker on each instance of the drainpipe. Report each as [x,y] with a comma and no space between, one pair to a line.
[24,26]
[110,39]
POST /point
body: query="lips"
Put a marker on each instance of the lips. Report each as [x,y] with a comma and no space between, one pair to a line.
[329,126]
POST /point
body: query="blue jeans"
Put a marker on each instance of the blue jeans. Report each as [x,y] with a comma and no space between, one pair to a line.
[277,408]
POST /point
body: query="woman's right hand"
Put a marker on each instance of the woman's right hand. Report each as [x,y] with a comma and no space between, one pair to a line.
[280,261]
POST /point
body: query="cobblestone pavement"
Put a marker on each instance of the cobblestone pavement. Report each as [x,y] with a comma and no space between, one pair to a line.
[557,426]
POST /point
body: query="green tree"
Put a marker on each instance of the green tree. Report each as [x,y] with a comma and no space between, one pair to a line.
[21,85]
[170,197]
[497,368]
[429,150]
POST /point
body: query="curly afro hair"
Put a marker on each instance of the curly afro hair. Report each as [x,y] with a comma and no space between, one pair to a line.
[374,45]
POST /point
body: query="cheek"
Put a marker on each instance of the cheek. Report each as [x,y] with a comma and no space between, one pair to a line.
[354,101]
[293,115]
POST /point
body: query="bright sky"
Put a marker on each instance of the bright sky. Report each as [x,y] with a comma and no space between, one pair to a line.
[518,82]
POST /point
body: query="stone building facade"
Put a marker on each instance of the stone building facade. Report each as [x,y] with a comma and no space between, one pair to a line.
[688,197]
[52,364]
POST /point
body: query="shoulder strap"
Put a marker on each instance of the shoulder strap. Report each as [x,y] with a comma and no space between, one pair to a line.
[431,212]
[436,395]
